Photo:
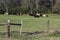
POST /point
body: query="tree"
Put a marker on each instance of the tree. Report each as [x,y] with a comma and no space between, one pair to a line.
[2,8]
[15,7]
[6,3]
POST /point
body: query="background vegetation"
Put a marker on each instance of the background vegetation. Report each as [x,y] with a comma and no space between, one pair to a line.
[18,7]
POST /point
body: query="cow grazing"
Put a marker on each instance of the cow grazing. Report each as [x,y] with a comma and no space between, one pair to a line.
[31,14]
[37,15]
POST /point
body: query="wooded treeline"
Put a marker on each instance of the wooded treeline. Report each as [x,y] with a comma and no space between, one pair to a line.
[29,6]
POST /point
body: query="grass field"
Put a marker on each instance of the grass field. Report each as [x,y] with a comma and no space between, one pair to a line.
[31,24]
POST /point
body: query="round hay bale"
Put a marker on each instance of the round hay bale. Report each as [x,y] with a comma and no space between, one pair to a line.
[44,15]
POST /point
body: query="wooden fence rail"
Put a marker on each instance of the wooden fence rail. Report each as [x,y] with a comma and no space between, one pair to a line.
[3,24]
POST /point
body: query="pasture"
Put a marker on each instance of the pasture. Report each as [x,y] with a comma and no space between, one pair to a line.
[31,24]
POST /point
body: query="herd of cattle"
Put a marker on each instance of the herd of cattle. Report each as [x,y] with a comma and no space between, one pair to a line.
[38,15]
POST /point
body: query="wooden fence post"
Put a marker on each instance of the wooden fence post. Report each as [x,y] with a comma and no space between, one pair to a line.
[48,24]
[8,28]
[21,28]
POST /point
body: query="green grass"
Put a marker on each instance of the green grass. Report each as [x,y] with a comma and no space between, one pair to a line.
[31,24]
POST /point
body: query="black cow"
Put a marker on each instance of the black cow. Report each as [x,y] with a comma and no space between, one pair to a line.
[36,15]
[31,14]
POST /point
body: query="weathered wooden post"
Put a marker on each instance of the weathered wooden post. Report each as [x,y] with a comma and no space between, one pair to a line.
[21,28]
[8,28]
[48,26]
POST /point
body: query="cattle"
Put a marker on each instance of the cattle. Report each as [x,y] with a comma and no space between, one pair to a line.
[31,14]
[37,15]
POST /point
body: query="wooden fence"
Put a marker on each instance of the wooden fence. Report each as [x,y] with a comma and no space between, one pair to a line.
[8,27]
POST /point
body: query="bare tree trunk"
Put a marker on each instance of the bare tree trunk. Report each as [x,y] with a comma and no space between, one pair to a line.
[30,4]
[6,6]
[37,6]
[6,10]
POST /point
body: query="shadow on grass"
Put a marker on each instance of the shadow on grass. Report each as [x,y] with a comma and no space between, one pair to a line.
[27,35]
[16,34]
